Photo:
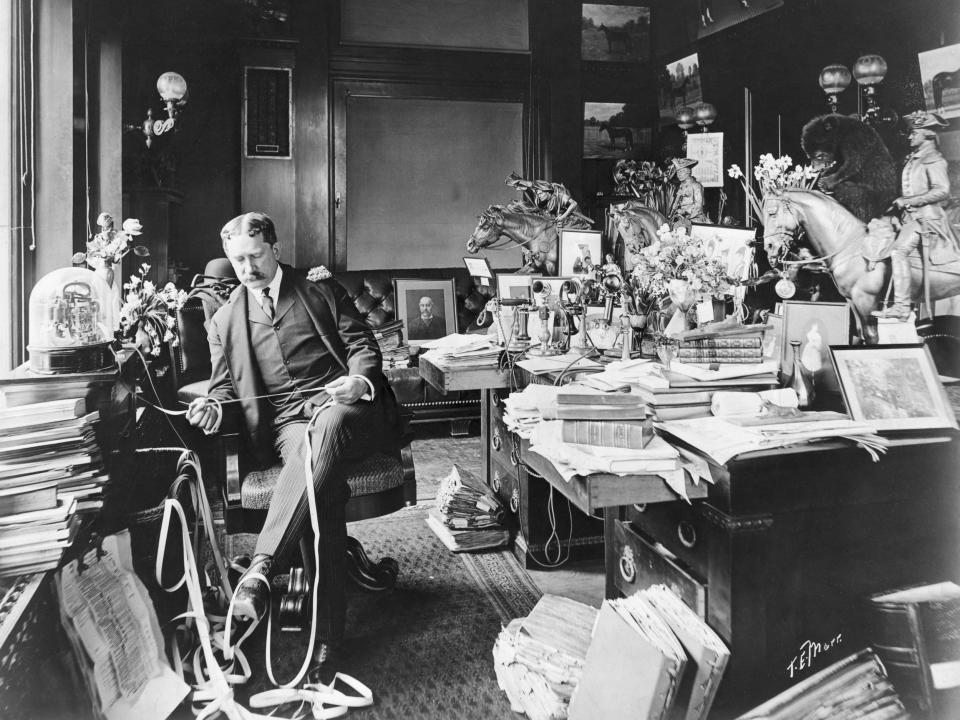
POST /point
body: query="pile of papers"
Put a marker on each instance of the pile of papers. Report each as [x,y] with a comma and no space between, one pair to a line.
[461,351]
[467,516]
[539,659]
[721,439]
[650,656]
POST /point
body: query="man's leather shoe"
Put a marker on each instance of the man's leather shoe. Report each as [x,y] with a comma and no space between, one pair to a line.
[251,594]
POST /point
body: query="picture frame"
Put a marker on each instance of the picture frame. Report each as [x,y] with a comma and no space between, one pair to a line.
[612,32]
[478,267]
[678,85]
[408,293]
[773,338]
[892,387]
[707,149]
[938,72]
[577,246]
[515,286]
[720,16]
[817,326]
[615,130]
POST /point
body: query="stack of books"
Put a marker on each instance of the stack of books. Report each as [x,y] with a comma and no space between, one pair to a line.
[390,339]
[855,687]
[650,657]
[604,419]
[539,659]
[916,633]
[467,516]
[736,346]
[50,473]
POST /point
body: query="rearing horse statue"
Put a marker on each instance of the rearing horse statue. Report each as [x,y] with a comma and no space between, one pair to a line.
[845,245]
[535,234]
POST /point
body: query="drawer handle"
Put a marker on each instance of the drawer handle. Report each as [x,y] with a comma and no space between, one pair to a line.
[514,501]
[628,568]
[495,397]
[515,452]
[496,440]
[496,481]
[687,534]
[640,507]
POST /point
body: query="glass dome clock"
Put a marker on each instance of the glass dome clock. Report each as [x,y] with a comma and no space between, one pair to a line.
[73,316]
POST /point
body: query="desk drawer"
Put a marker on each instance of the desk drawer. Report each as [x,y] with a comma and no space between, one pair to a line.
[638,565]
[504,445]
[679,528]
[505,482]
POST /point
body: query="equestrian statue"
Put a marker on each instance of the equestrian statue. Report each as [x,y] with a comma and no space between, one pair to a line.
[536,234]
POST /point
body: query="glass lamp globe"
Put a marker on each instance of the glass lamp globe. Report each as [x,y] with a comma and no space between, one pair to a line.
[834,79]
[172,88]
[73,316]
[705,113]
[685,118]
[870,70]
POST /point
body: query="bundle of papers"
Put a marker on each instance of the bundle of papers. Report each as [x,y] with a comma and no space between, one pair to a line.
[721,440]
[650,657]
[467,516]
[461,350]
[539,659]
[572,360]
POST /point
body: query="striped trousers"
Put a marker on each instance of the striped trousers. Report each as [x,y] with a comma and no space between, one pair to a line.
[341,433]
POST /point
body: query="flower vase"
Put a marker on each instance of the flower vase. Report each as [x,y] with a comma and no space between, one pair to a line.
[800,379]
[107,272]
[684,298]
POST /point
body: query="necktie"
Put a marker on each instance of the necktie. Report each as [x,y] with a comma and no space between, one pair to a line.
[267,303]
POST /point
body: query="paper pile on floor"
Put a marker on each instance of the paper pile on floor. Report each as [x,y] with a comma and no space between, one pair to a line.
[539,659]
[468,515]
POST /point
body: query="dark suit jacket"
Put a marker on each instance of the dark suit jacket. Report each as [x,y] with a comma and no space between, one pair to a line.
[334,317]
[435,327]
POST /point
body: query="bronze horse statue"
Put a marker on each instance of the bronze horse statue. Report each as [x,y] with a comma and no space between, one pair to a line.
[638,224]
[850,250]
[536,235]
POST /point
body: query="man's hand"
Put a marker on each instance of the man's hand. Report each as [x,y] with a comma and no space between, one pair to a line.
[901,203]
[202,413]
[346,390]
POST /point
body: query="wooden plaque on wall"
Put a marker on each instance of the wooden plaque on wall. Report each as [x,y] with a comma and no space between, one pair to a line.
[267,112]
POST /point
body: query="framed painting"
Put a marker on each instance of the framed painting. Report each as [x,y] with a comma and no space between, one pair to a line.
[715,16]
[579,251]
[427,308]
[892,387]
[615,130]
[815,326]
[615,33]
[940,74]
[678,86]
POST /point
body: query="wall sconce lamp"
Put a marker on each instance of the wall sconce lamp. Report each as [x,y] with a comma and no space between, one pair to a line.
[173,91]
[869,71]
[704,114]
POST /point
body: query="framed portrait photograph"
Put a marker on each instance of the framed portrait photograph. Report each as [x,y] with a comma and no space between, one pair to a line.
[577,247]
[615,33]
[817,326]
[616,130]
[893,387]
[773,338]
[515,286]
[427,308]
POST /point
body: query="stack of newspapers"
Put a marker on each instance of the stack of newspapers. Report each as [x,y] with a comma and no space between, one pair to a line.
[467,516]
[539,659]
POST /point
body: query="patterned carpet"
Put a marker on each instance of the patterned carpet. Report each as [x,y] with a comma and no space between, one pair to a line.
[425,647]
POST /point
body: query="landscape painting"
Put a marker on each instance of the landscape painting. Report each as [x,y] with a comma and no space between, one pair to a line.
[616,130]
[617,33]
[678,86]
[940,73]
[722,14]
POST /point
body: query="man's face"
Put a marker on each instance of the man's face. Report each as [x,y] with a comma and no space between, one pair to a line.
[253,260]
[917,137]
[426,308]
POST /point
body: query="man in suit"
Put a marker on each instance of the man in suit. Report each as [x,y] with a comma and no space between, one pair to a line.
[287,346]
[426,325]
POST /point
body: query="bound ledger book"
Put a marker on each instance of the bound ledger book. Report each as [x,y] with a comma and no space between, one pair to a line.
[633,667]
[916,633]
[855,687]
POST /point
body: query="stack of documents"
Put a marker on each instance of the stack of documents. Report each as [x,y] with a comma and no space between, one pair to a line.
[461,351]
[539,659]
[572,360]
[720,439]
[467,516]
[651,656]
[855,687]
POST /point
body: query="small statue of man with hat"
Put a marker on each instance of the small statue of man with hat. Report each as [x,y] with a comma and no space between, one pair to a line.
[549,198]
[925,188]
[688,200]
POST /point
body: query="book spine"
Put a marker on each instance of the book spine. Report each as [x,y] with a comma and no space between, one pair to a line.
[719,343]
[720,354]
[627,434]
